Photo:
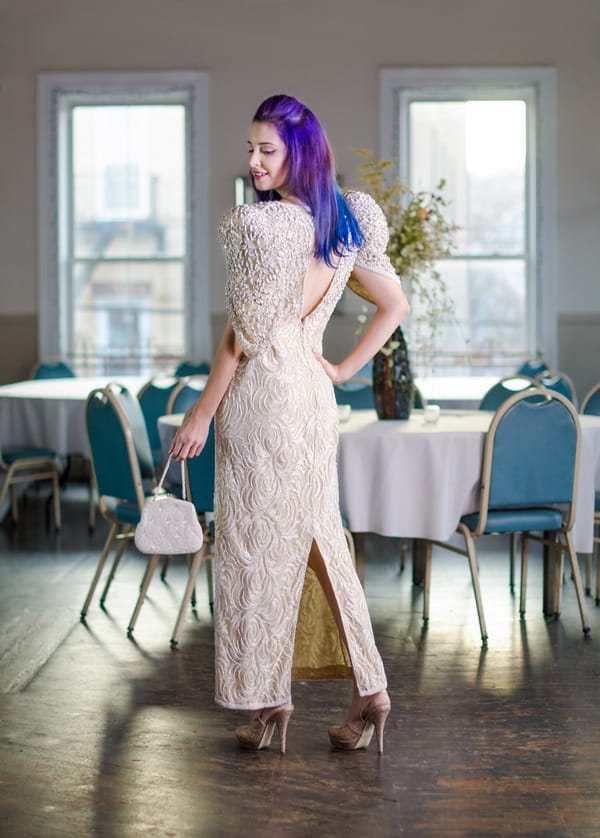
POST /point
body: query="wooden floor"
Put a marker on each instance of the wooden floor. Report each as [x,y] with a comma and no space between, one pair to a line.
[105,736]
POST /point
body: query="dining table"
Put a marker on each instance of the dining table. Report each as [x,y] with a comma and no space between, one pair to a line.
[49,412]
[415,478]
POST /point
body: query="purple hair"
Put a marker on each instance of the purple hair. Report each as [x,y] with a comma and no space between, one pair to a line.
[311,175]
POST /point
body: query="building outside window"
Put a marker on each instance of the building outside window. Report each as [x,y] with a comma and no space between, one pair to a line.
[490,135]
[125,279]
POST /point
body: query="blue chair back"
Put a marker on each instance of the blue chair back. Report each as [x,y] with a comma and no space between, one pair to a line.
[532,368]
[534,452]
[186,368]
[153,398]
[357,392]
[53,369]
[558,382]
[201,475]
[119,445]
[591,403]
[504,389]
[186,392]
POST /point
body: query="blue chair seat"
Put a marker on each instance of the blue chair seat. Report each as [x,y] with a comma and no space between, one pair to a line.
[517,520]
[127,513]
[12,453]
[597,502]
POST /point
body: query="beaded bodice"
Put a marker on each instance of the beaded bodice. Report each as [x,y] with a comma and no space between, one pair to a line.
[267,249]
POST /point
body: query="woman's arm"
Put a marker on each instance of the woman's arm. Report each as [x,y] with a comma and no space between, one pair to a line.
[191,436]
[392,308]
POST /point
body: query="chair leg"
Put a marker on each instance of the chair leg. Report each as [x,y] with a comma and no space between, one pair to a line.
[115,564]
[512,553]
[165,567]
[56,497]
[524,562]
[470,546]
[403,552]
[101,562]
[209,582]
[91,507]
[193,572]
[552,575]
[426,550]
[14,504]
[585,623]
[588,574]
[150,568]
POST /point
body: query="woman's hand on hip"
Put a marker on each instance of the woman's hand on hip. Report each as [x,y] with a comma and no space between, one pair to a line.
[333,370]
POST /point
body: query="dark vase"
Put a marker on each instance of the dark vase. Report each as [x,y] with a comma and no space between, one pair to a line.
[393,385]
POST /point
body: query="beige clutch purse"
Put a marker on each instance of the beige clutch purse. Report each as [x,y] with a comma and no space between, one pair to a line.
[169,526]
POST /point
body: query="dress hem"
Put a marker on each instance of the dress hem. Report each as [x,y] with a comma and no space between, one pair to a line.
[252,706]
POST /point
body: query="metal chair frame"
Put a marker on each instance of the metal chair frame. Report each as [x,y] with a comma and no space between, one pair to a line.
[182,385]
[28,469]
[122,531]
[563,532]
[555,377]
[591,402]
[591,406]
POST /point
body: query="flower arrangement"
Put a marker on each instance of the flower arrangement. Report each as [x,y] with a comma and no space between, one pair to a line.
[420,234]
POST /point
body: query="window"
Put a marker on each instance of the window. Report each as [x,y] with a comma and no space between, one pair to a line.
[490,135]
[124,220]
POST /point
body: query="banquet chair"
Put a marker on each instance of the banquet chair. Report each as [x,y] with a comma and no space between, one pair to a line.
[503,389]
[124,475]
[590,406]
[77,467]
[51,368]
[200,476]
[153,398]
[559,382]
[185,393]
[492,400]
[189,367]
[530,466]
[532,367]
[357,392]
[27,464]
[591,403]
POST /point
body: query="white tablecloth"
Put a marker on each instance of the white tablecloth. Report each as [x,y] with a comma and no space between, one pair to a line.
[50,412]
[412,479]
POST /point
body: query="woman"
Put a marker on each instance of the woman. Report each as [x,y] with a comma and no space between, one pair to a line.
[288,602]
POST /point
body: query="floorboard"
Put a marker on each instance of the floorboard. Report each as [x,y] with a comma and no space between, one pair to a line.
[101,735]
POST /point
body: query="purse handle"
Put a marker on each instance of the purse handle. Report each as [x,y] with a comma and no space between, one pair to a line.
[164,474]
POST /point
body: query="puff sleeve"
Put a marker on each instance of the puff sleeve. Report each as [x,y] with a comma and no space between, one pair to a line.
[263,265]
[372,255]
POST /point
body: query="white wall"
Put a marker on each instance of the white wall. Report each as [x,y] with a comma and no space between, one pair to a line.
[326,52]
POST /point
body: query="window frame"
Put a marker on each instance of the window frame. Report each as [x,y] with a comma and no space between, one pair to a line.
[397,87]
[57,93]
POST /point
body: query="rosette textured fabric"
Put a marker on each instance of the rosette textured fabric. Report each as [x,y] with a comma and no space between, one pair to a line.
[276,481]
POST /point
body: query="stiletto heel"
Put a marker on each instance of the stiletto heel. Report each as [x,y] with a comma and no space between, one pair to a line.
[357,733]
[258,734]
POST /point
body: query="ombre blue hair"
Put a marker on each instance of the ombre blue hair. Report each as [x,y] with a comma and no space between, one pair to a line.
[311,175]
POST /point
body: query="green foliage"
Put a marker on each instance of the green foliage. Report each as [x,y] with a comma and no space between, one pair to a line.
[420,234]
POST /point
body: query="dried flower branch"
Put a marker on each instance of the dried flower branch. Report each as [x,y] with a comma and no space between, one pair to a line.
[420,234]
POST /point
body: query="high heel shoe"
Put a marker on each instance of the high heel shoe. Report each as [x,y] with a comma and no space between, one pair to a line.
[357,733]
[259,732]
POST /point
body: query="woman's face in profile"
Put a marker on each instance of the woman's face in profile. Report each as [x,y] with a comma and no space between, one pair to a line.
[267,157]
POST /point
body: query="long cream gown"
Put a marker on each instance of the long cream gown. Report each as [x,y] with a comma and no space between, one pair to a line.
[276,482]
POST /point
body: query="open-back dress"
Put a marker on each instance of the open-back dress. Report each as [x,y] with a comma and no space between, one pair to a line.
[276,478]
